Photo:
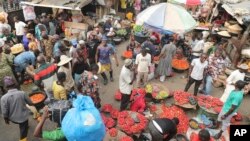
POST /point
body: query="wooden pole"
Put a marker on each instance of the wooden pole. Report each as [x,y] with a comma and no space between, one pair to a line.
[242,43]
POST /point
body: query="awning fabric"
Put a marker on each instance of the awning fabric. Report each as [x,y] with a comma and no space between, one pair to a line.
[63,4]
[238,10]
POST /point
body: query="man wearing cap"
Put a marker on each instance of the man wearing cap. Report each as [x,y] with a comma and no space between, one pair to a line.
[65,66]
[125,83]
[235,76]
[13,107]
[103,56]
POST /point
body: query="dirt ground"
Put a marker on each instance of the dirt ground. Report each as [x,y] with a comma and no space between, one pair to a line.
[11,132]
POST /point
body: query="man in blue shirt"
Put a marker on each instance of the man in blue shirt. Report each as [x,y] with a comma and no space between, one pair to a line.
[24,60]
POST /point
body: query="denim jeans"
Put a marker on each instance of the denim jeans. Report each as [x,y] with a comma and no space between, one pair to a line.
[207,88]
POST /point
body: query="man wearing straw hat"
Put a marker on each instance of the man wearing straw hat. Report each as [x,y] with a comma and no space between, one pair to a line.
[65,66]
[236,75]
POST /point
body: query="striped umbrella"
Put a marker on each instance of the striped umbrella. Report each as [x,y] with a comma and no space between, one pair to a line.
[189,2]
[167,17]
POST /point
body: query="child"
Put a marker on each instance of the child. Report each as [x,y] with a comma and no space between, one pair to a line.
[231,106]
[58,89]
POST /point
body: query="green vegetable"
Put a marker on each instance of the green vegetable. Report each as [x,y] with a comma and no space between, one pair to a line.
[149,88]
[138,28]
[121,32]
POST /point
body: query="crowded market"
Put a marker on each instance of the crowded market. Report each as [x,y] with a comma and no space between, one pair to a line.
[123,70]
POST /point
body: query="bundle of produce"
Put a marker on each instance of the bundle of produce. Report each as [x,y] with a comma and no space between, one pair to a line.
[149,89]
[131,122]
[209,102]
[158,92]
[182,97]
[107,108]
[114,113]
[118,95]
[108,122]
[128,54]
[174,111]
[180,64]
[160,95]
[121,32]
[138,28]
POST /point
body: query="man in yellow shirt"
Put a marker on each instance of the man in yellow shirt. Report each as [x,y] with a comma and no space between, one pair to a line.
[59,91]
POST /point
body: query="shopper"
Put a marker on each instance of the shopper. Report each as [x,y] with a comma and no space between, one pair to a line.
[196,73]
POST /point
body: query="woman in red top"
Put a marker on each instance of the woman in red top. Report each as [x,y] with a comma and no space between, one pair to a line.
[203,135]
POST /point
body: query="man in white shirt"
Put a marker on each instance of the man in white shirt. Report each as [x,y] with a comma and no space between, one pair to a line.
[143,62]
[125,83]
[197,49]
[197,72]
[19,26]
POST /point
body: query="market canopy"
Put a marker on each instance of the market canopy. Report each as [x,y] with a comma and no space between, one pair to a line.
[238,10]
[189,2]
[63,4]
[167,17]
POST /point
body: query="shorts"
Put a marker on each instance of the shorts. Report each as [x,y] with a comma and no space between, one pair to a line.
[105,68]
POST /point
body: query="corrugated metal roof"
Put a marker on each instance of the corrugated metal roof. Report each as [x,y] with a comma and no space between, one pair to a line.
[63,4]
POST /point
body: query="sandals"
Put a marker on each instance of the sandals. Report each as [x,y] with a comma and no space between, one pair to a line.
[192,101]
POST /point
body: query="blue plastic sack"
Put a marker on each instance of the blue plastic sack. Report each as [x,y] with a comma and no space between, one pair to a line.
[83,122]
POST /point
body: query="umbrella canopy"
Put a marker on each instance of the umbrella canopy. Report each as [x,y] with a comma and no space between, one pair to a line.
[168,17]
[189,2]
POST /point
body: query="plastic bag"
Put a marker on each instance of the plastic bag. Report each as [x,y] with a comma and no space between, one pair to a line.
[83,121]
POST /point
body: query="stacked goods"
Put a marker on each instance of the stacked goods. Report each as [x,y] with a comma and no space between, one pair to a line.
[131,122]
[116,135]
[182,97]
[118,95]
[149,89]
[174,111]
[126,138]
[210,103]
[160,95]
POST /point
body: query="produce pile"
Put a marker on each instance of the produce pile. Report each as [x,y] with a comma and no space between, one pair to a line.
[171,112]
[37,98]
[180,64]
[131,122]
[209,102]
[121,32]
[156,92]
[182,97]
[109,121]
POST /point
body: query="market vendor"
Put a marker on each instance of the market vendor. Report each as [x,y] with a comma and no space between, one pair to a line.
[236,75]
[162,129]
[231,106]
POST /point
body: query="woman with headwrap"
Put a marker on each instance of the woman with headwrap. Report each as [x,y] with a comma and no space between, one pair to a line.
[6,61]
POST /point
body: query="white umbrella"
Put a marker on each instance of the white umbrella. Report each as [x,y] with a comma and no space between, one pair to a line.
[167,17]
